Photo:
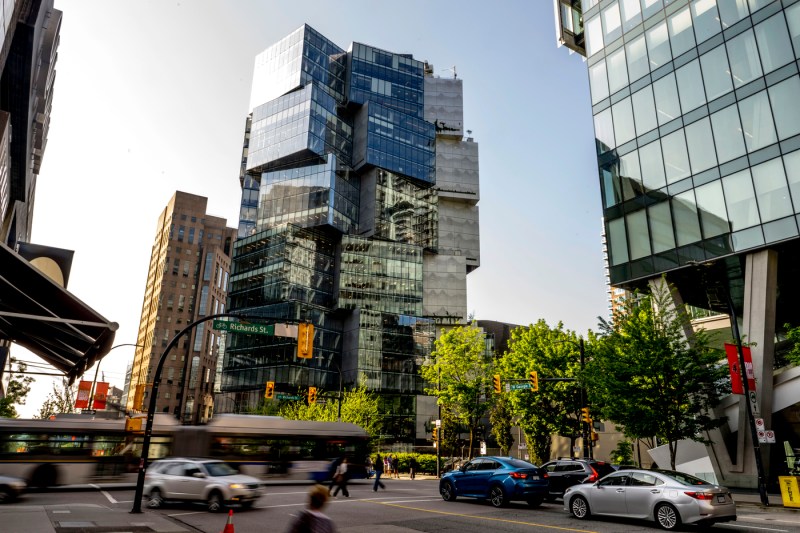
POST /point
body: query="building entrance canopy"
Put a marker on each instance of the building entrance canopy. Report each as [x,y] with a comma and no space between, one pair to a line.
[45,318]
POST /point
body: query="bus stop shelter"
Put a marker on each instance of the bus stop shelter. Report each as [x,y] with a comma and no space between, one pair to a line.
[42,316]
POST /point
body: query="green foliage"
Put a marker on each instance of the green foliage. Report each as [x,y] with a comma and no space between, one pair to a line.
[793,336]
[426,462]
[19,385]
[60,400]
[553,353]
[500,418]
[359,406]
[645,376]
[623,453]
[458,373]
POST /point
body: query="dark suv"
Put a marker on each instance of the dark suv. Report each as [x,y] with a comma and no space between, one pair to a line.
[564,473]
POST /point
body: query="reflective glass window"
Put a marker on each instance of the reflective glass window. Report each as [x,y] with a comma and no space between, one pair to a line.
[741,200]
[629,169]
[681,35]
[651,7]
[774,45]
[676,158]
[743,58]
[759,130]
[705,19]
[594,36]
[666,96]
[716,74]
[618,241]
[661,233]
[772,190]
[755,5]
[701,146]
[617,70]
[728,134]
[612,25]
[644,111]
[784,99]
[631,13]
[687,226]
[732,11]
[610,184]
[793,19]
[653,176]
[792,164]
[624,129]
[711,207]
[604,131]
[636,53]
[598,81]
[658,45]
[638,236]
[690,86]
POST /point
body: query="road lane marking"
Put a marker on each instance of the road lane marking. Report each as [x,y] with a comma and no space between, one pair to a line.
[492,519]
[754,527]
[104,493]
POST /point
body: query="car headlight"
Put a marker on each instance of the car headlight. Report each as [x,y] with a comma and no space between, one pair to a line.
[237,486]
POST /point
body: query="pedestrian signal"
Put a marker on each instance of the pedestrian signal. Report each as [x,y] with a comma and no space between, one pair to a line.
[585,415]
[305,340]
[270,392]
[435,434]
[497,384]
[534,380]
[312,395]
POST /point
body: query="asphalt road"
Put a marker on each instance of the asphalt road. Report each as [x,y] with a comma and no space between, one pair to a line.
[404,505]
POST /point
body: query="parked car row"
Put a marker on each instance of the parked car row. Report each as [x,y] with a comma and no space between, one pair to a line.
[667,497]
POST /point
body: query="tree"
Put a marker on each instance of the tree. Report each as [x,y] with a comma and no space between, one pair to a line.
[60,400]
[554,409]
[458,375]
[359,406]
[647,377]
[793,336]
[19,385]
[500,418]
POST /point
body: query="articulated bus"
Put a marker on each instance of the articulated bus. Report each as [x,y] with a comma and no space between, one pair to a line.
[81,449]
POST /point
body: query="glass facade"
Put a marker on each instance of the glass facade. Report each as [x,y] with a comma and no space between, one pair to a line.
[696,128]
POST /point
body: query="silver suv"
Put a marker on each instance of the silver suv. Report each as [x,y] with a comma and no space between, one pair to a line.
[214,482]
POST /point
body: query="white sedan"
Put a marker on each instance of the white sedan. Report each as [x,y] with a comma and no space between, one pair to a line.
[667,497]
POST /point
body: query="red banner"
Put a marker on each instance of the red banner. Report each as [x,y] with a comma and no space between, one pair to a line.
[736,374]
[100,394]
[84,391]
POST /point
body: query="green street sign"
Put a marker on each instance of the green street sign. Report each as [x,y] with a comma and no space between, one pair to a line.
[520,386]
[238,327]
[282,396]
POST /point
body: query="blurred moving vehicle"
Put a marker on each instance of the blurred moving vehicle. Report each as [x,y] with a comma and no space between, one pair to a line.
[206,480]
[497,479]
[667,497]
[11,488]
[565,473]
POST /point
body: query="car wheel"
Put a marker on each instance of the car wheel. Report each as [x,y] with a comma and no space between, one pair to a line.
[44,476]
[215,503]
[667,517]
[579,508]
[535,502]
[448,492]
[497,496]
[6,495]
[154,499]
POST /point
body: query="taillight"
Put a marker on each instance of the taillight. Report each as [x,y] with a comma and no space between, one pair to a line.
[545,475]
[594,475]
[518,475]
[700,495]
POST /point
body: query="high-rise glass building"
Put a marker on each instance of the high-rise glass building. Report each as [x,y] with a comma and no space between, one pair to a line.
[697,132]
[359,214]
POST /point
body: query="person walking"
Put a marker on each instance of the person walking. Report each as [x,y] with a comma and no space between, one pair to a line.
[412,467]
[340,479]
[378,471]
[312,519]
[396,467]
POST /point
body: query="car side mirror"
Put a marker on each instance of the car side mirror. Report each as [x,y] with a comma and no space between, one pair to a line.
[199,474]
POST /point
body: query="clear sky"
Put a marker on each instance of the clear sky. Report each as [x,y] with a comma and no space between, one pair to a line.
[151,97]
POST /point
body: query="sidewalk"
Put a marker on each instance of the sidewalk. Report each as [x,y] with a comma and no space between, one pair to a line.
[82,518]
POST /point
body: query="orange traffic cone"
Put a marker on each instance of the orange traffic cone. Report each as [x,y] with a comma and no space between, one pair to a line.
[229,524]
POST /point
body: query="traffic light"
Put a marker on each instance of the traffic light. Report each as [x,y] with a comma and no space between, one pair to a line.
[534,379]
[305,340]
[435,434]
[270,392]
[497,384]
[585,415]
[312,395]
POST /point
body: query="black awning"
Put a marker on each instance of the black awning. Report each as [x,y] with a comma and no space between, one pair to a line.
[45,318]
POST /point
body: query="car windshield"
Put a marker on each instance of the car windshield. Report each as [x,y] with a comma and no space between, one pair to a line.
[518,463]
[220,469]
[683,479]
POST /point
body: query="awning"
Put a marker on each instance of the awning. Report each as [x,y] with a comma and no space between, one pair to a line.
[45,318]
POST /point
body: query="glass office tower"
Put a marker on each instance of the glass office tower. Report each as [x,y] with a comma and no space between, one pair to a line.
[698,134]
[359,214]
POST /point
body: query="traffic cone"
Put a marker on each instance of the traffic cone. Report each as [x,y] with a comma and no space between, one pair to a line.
[229,524]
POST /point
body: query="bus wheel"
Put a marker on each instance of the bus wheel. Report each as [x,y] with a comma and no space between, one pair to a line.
[44,476]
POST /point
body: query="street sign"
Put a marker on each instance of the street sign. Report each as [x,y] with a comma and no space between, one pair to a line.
[770,435]
[760,424]
[239,327]
[762,436]
[754,402]
[282,396]
[520,386]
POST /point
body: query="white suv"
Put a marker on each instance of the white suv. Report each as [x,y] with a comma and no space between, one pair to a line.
[206,480]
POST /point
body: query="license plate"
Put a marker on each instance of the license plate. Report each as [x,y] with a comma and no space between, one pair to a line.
[535,478]
[721,498]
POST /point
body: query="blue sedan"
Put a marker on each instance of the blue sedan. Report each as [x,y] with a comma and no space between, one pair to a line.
[497,479]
